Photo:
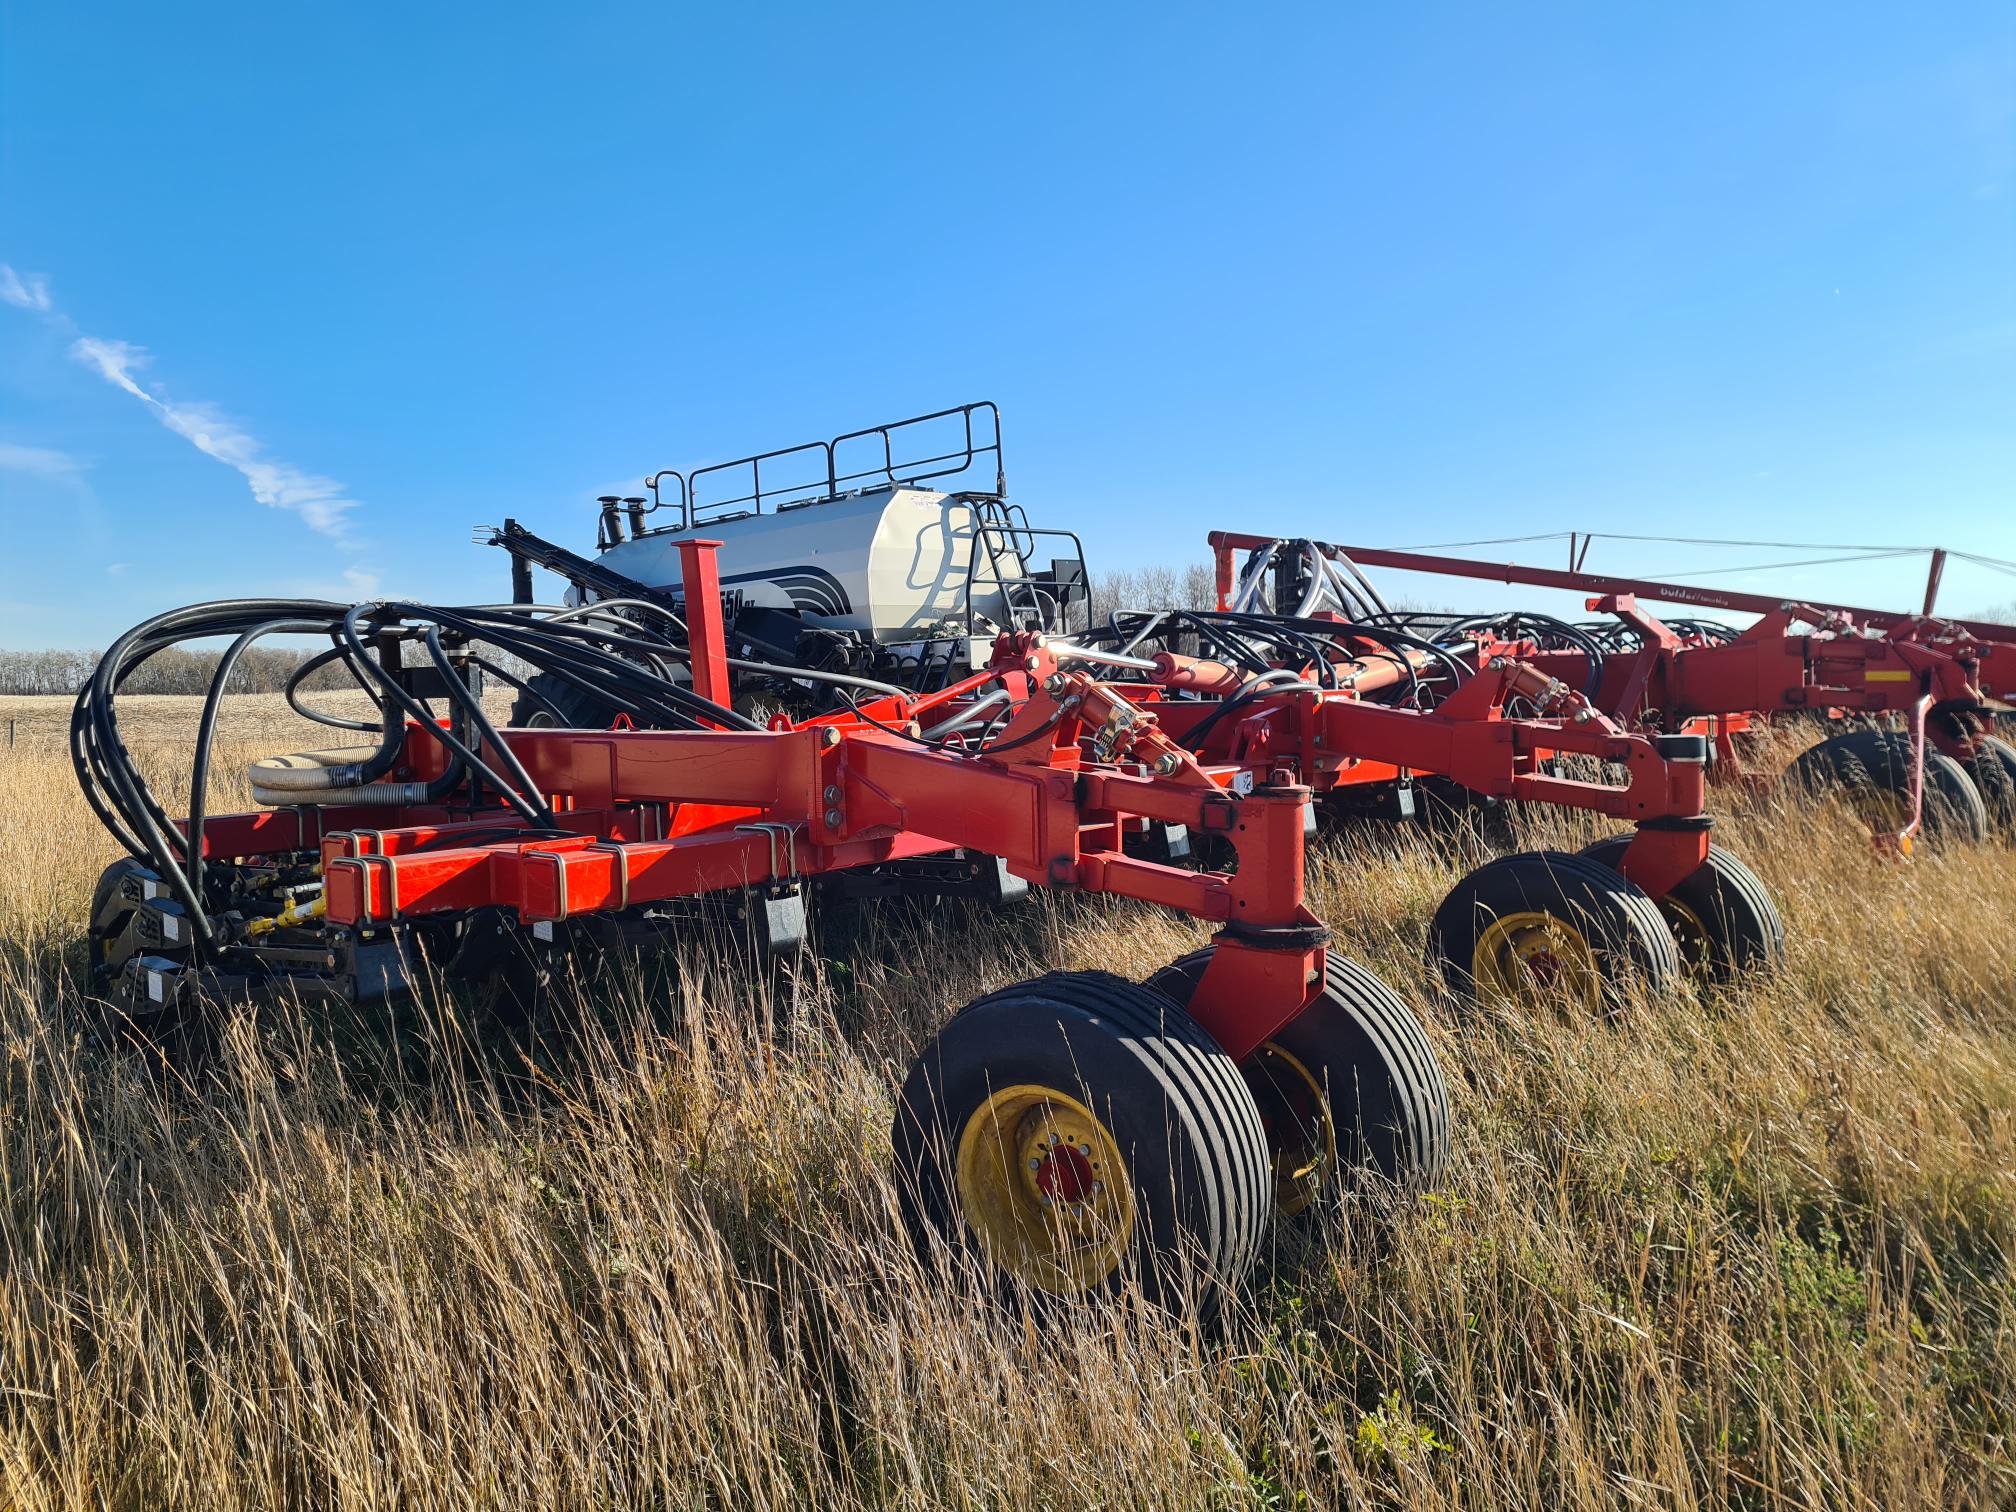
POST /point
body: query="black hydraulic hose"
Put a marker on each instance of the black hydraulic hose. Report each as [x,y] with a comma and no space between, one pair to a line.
[579,674]
[1285,633]
[82,759]
[458,692]
[1246,694]
[450,778]
[859,713]
[1147,629]
[206,730]
[1056,718]
[1578,638]
[1307,639]
[533,808]
[1385,635]
[681,653]
[1398,643]
[1394,640]
[623,652]
[1225,644]
[105,770]
[315,664]
[806,674]
[617,670]
[512,680]
[628,686]
[1210,636]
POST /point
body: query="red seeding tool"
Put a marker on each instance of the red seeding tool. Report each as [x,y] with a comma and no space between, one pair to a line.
[1944,773]
[1361,712]
[893,553]
[957,721]
[1074,1129]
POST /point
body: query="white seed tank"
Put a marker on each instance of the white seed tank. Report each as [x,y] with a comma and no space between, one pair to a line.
[890,562]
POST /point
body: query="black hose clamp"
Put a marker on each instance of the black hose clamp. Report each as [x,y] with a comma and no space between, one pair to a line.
[1297,937]
[1682,823]
[1681,747]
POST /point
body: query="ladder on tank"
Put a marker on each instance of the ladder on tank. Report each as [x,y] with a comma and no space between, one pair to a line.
[1033,600]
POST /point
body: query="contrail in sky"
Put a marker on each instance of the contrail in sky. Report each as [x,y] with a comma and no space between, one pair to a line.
[323,504]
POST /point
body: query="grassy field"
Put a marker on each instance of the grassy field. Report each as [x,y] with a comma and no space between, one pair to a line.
[1749,1250]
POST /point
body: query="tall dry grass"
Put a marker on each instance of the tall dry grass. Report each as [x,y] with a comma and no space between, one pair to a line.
[1750,1250]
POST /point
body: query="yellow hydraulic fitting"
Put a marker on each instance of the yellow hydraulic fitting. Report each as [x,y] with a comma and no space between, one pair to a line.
[288,917]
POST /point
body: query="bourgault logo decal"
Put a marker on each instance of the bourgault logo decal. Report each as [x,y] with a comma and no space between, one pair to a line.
[812,590]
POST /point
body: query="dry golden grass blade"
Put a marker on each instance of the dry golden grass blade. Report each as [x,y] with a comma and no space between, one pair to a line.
[1750,1250]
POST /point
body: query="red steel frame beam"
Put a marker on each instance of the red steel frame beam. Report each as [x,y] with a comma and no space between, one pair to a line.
[1769,669]
[1307,736]
[853,800]
[1331,738]
[1224,543]
[657,815]
[706,636]
[743,809]
[1468,738]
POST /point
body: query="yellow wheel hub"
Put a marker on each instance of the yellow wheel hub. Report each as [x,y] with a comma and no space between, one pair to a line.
[1295,1110]
[1537,955]
[1043,1187]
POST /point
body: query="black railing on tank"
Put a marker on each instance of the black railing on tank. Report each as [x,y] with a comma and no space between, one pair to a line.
[827,469]
[1032,600]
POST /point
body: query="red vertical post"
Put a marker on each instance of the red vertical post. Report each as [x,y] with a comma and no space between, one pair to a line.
[1932,579]
[706,635]
[1221,552]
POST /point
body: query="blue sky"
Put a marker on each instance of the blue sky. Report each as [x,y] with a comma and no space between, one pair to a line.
[1407,275]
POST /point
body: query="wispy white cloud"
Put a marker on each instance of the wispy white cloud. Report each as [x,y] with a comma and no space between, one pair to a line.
[24,291]
[114,361]
[41,462]
[323,504]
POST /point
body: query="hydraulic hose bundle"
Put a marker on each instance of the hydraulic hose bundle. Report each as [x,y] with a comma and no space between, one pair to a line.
[625,655]
[1265,646]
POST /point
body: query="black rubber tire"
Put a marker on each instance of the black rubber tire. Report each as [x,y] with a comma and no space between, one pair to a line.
[517,986]
[1627,935]
[1866,762]
[102,934]
[1993,773]
[516,998]
[179,1036]
[1388,1102]
[583,710]
[1744,933]
[1174,1102]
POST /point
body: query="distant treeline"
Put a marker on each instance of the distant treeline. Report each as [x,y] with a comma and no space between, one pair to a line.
[262,669]
[1191,587]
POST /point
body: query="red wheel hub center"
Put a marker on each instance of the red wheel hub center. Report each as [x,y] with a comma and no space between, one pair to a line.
[1545,966]
[1065,1176]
